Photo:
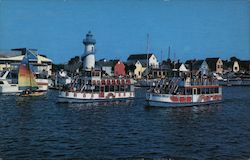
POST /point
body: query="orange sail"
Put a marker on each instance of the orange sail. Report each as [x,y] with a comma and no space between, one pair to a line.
[26,79]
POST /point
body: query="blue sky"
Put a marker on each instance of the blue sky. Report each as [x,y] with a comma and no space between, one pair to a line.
[193,28]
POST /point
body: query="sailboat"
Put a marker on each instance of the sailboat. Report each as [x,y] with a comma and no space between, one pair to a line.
[26,78]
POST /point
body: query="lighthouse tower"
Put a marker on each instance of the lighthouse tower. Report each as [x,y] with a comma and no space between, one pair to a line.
[88,57]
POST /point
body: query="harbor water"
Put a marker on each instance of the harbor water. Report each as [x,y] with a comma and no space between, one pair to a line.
[40,128]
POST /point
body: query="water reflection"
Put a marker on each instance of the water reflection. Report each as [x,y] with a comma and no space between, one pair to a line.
[97,104]
[27,101]
[185,113]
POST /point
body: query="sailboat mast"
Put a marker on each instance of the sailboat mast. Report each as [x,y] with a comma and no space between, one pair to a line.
[147,54]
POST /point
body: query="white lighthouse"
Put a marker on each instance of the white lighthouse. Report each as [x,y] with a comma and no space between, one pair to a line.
[88,57]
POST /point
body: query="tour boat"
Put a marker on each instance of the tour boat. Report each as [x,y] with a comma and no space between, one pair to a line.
[26,79]
[181,92]
[91,87]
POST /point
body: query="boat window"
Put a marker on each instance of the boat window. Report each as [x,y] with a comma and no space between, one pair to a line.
[216,90]
[122,88]
[112,88]
[106,88]
[206,90]
[212,90]
[188,91]
[97,89]
[198,91]
[180,90]
[126,88]
[117,88]
[1,82]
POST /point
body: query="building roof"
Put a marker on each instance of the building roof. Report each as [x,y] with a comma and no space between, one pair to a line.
[139,56]
[197,64]
[110,63]
[194,64]
[214,60]
[211,62]
[20,58]
[183,68]
[245,64]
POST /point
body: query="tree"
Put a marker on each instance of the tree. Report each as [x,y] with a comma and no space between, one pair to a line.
[232,59]
[74,60]
[129,68]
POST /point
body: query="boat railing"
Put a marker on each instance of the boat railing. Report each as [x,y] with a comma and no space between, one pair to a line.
[173,85]
[203,82]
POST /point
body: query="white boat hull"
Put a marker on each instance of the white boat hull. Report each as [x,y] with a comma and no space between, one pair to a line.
[9,89]
[74,97]
[166,100]
[170,104]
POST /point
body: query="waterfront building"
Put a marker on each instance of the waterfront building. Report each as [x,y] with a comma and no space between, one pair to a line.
[12,59]
[231,66]
[156,73]
[245,66]
[119,69]
[139,69]
[198,67]
[112,67]
[204,69]
[215,65]
[144,59]
[183,68]
[105,66]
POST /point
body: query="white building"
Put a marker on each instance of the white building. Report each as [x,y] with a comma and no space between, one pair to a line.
[13,58]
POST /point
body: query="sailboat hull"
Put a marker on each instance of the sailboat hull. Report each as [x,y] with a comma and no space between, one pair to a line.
[32,94]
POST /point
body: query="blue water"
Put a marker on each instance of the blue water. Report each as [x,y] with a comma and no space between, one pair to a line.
[39,128]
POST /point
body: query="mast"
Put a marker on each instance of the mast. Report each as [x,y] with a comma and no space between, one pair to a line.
[161,60]
[168,52]
[147,55]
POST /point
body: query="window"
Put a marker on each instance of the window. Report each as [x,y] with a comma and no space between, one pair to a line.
[127,87]
[216,90]
[106,88]
[117,88]
[188,91]
[1,82]
[198,91]
[97,89]
[122,88]
[112,88]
